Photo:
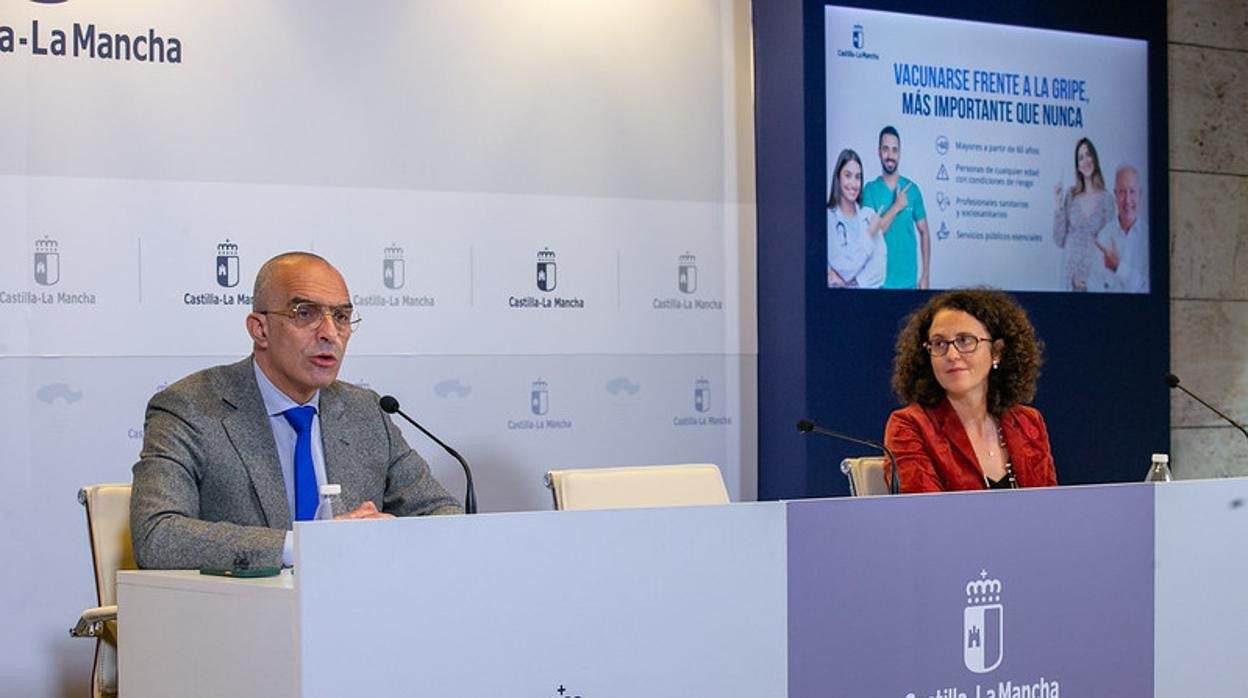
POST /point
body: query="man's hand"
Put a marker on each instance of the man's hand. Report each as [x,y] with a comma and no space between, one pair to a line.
[902,200]
[1112,257]
[367,510]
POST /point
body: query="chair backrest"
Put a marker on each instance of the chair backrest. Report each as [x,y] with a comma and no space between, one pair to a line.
[866,475]
[108,526]
[637,486]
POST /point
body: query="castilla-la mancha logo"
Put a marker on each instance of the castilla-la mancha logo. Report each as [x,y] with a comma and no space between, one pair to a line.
[983,625]
[227,264]
[546,279]
[47,262]
[687,273]
[393,268]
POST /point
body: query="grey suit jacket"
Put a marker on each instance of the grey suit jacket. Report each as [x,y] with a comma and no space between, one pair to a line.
[208,488]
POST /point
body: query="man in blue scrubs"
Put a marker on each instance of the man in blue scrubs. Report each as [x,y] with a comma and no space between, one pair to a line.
[899,203]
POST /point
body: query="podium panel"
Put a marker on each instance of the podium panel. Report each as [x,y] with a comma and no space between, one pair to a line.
[642,602]
[188,634]
[1202,588]
[973,594]
[1131,590]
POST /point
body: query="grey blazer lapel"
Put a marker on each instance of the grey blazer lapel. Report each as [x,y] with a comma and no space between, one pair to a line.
[340,430]
[252,437]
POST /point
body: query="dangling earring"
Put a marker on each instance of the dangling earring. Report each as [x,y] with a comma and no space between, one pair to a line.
[995,364]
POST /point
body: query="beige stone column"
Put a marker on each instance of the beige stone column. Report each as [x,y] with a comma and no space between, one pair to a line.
[1208,66]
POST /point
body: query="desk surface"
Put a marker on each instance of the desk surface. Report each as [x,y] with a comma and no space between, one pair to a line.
[193,581]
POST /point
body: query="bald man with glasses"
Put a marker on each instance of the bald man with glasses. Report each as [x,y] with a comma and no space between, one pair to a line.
[233,454]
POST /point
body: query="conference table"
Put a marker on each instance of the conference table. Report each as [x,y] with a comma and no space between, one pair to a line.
[1112,590]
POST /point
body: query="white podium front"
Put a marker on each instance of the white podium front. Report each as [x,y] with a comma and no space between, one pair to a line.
[684,601]
[961,594]
[189,634]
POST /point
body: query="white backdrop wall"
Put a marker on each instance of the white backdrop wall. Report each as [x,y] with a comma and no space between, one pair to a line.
[433,151]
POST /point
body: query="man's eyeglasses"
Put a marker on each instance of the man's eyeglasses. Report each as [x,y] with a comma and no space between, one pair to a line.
[964,343]
[304,315]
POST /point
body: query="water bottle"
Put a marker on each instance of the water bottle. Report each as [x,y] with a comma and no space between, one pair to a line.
[1159,471]
[331,503]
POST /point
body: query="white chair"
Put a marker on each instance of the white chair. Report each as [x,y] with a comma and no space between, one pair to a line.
[866,475]
[637,486]
[108,525]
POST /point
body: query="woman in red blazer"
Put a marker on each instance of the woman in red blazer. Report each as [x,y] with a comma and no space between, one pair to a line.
[965,361]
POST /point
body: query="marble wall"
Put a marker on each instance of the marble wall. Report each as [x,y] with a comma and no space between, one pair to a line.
[1208,61]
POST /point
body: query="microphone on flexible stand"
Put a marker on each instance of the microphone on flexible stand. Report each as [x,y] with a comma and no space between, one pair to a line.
[1173,381]
[390,405]
[806,426]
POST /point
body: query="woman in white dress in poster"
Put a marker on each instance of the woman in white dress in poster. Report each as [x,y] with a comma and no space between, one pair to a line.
[857,256]
[1081,212]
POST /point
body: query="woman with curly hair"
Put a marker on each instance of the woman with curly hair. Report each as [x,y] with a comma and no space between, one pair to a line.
[965,362]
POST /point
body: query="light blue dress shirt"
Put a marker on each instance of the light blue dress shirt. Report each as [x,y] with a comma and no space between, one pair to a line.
[275,403]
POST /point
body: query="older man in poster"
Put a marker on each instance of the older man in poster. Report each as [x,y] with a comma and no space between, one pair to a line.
[1124,242]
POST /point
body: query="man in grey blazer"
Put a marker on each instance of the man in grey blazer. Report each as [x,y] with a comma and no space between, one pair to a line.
[215,483]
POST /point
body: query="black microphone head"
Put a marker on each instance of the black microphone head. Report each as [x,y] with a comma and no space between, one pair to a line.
[805,426]
[389,405]
[1172,380]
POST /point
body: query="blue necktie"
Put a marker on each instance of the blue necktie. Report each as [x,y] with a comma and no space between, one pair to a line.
[306,497]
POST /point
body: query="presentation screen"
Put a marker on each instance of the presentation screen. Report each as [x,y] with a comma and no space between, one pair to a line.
[970,154]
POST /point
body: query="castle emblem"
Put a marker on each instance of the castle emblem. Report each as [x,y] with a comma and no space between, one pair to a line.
[539,398]
[546,270]
[687,273]
[47,262]
[227,264]
[983,625]
[393,268]
[702,395]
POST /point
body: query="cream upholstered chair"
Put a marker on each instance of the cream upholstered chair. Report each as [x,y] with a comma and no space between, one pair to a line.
[108,525]
[866,475]
[637,486]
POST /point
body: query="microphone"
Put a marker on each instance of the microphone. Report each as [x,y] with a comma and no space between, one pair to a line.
[806,426]
[390,405]
[1173,381]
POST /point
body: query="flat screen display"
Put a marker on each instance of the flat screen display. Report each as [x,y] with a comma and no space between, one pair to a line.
[970,154]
